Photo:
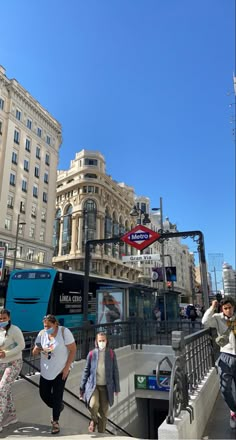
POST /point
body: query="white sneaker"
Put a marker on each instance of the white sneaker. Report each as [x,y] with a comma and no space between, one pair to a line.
[9,421]
[232,421]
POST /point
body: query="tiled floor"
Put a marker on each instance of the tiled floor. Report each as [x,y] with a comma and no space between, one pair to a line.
[218,424]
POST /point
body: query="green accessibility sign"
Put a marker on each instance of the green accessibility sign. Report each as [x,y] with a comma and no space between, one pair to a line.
[140,382]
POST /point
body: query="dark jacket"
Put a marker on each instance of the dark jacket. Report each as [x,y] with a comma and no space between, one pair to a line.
[88,381]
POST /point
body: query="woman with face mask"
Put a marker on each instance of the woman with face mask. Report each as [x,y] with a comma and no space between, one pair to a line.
[100,380]
[11,345]
[57,349]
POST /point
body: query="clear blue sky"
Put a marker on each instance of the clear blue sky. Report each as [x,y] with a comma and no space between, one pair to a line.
[145,82]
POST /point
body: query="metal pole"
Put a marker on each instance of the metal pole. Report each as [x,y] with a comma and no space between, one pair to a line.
[16,242]
[203,270]
[86,280]
[163,259]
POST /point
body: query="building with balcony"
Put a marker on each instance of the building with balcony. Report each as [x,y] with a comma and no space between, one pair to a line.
[91,205]
[30,139]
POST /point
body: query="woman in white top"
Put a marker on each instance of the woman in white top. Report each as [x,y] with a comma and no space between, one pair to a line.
[57,347]
[11,345]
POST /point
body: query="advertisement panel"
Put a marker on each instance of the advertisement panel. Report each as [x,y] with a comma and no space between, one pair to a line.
[2,261]
[144,382]
[110,307]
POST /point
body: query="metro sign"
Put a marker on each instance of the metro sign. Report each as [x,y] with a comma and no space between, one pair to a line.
[140,237]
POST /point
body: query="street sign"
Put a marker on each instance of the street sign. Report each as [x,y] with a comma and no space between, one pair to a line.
[137,258]
[140,237]
[144,382]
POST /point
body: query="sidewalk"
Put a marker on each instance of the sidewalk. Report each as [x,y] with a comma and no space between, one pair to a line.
[34,432]
[218,423]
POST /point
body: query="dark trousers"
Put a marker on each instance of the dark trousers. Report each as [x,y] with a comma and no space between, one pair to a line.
[51,392]
[227,371]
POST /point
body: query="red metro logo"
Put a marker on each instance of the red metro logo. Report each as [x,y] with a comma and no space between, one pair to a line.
[140,237]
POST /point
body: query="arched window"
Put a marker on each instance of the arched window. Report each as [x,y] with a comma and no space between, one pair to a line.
[89,221]
[107,231]
[115,233]
[67,230]
[121,232]
[56,232]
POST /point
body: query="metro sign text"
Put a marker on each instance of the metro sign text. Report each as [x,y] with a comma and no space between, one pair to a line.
[140,237]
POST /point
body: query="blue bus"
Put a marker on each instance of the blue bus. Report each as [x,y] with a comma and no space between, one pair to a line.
[34,293]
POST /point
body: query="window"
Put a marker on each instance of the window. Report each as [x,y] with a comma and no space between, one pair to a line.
[45,197]
[39,132]
[18,114]
[14,157]
[8,224]
[32,231]
[41,257]
[10,200]
[33,211]
[42,235]
[90,162]
[84,189]
[90,176]
[24,185]
[26,165]
[38,152]
[36,171]
[16,137]
[46,177]
[1,127]
[90,189]
[1,104]
[27,145]
[29,124]
[30,254]
[43,215]
[48,140]
[35,191]
[47,159]
[12,179]
[21,229]
[22,207]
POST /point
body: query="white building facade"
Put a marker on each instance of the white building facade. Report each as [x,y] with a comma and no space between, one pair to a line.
[30,139]
[229,280]
[91,205]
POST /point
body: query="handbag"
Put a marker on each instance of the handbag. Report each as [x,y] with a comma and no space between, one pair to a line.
[223,339]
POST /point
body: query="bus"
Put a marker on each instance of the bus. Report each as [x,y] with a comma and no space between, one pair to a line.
[34,293]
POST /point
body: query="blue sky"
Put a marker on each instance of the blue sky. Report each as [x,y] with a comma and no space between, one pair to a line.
[146,83]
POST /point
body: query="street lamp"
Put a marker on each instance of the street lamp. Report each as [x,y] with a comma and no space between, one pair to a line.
[135,212]
[19,223]
[160,209]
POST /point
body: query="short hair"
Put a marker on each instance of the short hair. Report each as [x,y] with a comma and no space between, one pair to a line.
[5,312]
[228,300]
[51,318]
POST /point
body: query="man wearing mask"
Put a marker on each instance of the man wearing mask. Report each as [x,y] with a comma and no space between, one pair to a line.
[225,324]
[100,380]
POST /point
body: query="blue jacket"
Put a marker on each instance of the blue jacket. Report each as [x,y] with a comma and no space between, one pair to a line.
[88,381]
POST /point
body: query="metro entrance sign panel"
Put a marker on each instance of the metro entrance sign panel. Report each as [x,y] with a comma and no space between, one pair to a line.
[140,237]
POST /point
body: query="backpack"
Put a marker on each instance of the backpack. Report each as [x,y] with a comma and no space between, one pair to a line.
[111,354]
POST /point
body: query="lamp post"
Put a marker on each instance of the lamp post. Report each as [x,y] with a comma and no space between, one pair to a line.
[135,212]
[17,235]
[162,253]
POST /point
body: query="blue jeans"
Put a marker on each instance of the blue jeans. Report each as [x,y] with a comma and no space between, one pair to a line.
[227,371]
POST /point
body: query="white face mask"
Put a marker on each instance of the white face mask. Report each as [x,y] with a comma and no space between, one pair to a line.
[102,345]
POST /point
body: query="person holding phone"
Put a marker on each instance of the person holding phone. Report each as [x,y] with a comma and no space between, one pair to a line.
[225,324]
[57,348]
[11,345]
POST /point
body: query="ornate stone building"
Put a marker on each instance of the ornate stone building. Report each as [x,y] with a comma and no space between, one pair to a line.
[90,204]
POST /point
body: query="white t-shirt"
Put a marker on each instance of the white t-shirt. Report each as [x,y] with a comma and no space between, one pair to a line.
[55,354]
